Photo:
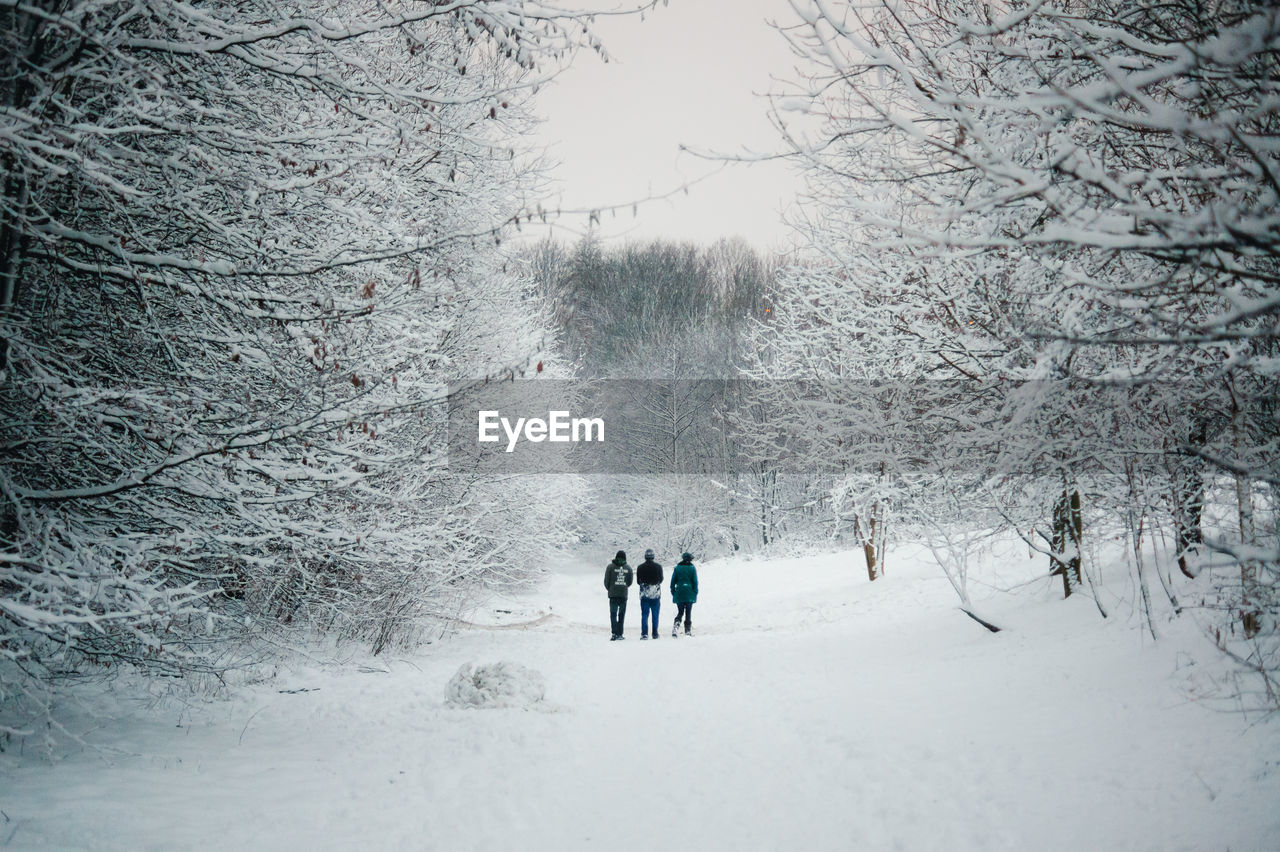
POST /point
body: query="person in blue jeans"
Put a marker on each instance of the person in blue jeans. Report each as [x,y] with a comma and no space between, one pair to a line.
[684,593]
[649,579]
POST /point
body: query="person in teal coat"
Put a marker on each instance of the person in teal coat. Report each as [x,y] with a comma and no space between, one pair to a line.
[684,593]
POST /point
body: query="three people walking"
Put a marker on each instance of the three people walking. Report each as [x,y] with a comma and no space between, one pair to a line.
[648,575]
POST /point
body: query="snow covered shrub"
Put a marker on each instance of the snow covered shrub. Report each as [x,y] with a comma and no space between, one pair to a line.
[502,684]
[241,246]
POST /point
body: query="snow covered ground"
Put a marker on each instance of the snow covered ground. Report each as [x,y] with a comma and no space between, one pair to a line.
[812,710]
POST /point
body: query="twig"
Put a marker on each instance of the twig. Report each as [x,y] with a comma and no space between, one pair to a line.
[986,624]
[247,721]
[1213,794]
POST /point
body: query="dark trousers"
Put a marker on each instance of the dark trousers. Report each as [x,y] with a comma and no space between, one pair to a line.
[684,612]
[649,614]
[617,612]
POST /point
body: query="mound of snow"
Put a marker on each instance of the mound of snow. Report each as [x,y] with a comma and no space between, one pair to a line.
[502,684]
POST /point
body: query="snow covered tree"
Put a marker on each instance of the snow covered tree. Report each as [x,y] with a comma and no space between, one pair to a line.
[237,241]
[1058,198]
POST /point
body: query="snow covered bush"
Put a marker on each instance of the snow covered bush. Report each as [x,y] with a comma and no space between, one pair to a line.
[502,684]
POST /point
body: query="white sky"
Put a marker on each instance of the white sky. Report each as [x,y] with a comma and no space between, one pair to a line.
[688,73]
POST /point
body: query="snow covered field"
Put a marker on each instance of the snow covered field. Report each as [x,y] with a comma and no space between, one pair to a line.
[812,710]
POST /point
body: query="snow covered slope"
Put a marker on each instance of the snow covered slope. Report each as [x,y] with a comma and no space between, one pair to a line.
[812,710]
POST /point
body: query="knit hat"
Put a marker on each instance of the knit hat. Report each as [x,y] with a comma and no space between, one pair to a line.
[687,556]
[648,554]
[621,556]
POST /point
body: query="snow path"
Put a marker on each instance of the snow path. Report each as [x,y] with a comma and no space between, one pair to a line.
[812,711]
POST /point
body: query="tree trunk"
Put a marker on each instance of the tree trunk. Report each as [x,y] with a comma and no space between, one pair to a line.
[873,544]
[869,550]
[1187,483]
[1249,612]
[14,237]
[768,481]
[1189,508]
[1068,530]
[764,524]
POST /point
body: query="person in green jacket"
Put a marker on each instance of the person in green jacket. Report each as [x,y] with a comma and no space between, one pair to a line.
[617,579]
[684,593]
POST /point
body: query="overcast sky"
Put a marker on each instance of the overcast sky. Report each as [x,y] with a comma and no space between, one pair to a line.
[689,73]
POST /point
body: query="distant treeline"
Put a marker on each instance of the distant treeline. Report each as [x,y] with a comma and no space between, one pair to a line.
[656,310]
